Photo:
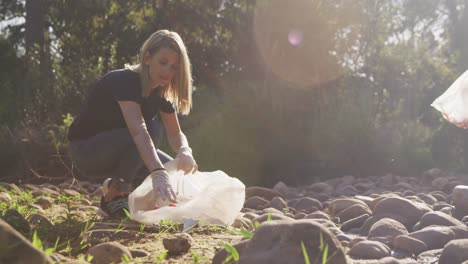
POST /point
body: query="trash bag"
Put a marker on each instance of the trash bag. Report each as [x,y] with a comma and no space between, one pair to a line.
[208,197]
[453,103]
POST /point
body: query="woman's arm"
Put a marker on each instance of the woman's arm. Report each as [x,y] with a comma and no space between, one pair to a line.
[136,125]
[179,143]
[175,136]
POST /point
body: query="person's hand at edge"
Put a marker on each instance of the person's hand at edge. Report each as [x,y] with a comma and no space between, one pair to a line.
[161,186]
[186,161]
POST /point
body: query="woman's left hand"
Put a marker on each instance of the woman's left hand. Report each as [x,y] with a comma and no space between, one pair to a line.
[186,161]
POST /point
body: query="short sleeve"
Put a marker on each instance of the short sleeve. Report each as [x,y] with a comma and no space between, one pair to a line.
[166,106]
[124,86]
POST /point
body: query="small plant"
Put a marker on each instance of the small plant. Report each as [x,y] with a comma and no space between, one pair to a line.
[142,228]
[304,253]
[244,233]
[195,258]
[37,242]
[161,257]
[232,253]
[125,259]
[58,133]
[87,258]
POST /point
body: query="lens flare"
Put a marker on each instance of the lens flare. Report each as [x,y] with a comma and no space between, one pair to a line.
[295,37]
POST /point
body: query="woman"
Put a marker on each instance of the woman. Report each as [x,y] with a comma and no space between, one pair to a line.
[117,133]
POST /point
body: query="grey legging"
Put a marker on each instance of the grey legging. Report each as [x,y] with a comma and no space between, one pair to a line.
[113,154]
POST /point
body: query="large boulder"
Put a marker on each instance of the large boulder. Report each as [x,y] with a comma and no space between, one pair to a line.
[17,249]
[403,210]
[439,219]
[434,237]
[109,252]
[456,251]
[280,242]
[388,228]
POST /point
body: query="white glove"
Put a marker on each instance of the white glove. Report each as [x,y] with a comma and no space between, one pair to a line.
[161,186]
[186,161]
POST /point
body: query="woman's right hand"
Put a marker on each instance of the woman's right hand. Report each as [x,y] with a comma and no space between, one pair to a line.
[161,186]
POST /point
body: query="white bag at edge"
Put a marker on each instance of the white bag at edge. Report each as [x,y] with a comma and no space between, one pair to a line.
[453,103]
[209,197]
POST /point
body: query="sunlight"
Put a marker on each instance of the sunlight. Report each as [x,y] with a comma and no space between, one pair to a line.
[296,42]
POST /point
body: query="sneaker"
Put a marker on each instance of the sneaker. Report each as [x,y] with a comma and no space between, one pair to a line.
[117,208]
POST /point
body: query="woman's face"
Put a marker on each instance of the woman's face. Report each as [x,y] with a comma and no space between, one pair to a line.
[163,66]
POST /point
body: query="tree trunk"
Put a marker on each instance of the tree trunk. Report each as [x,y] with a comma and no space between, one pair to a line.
[37,49]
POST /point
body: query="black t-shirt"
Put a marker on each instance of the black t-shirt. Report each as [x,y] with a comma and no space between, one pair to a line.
[102,112]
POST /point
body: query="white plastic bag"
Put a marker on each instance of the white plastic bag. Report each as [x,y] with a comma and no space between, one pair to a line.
[453,104]
[209,197]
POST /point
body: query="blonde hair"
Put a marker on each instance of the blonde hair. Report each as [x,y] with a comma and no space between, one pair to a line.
[179,90]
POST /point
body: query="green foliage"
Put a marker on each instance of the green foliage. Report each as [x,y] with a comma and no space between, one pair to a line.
[304,253]
[161,257]
[37,242]
[58,133]
[232,253]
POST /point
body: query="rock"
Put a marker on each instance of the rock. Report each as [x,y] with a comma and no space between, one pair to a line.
[40,220]
[251,216]
[10,187]
[456,251]
[308,205]
[356,240]
[45,202]
[434,237]
[272,216]
[265,193]
[108,252]
[243,223]
[139,253]
[343,237]
[439,219]
[440,205]
[387,227]
[282,188]
[366,226]
[461,232]
[366,199]
[178,244]
[429,256]
[271,210]
[460,200]
[318,215]
[85,202]
[320,187]
[440,196]
[278,203]
[37,208]
[300,215]
[17,221]
[70,192]
[403,210]
[388,260]
[255,202]
[353,212]
[409,244]
[96,235]
[354,223]
[17,249]
[380,198]
[347,190]
[427,198]
[266,247]
[440,183]
[338,205]
[5,197]
[369,250]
